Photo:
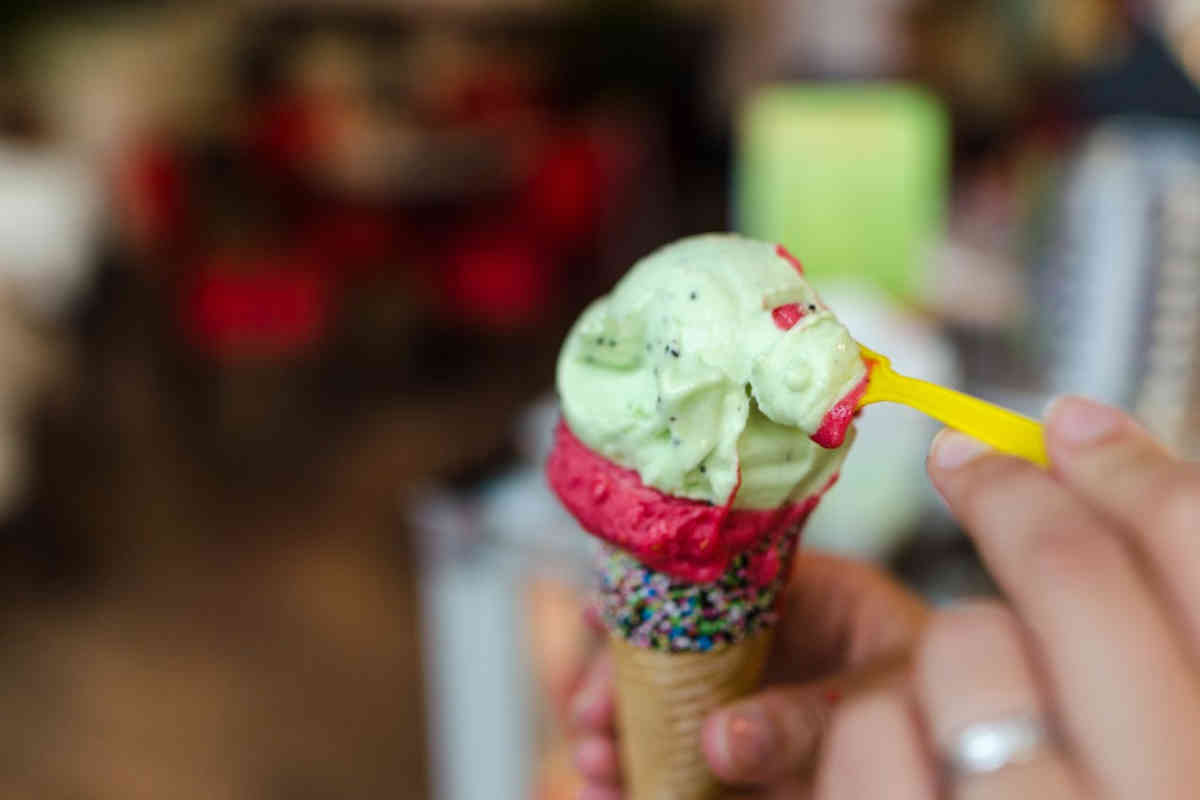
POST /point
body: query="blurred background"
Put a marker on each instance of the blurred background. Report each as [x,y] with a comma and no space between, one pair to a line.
[282,284]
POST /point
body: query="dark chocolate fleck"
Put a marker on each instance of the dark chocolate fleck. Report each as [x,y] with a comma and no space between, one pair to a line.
[703,469]
[672,419]
[599,340]
[812,307]
[692,295]
[612,342]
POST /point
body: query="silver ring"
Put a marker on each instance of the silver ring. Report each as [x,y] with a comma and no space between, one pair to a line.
[985,747]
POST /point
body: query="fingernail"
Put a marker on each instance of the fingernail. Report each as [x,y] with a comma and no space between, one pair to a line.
[1077,421]
[952,449]
[745,740]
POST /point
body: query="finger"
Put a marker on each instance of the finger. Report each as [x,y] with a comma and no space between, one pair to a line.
[592,792]
[875,750]
[1121,470]
[593,708]
[594,619]
[776,733]
[769,736]
[971,667]
[841,614]
[597,761]
[1119,676]
[1043,779]
[799,788]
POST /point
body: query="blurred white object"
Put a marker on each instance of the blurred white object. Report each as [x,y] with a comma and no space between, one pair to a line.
[481,725]
[480,552]
[883,491]
[49,227]
[1168,397]
[1096,273]
[1118,280]
[847,37]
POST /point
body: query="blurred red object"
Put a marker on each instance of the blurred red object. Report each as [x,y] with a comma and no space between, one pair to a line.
[288,134]
[506,274]
[501,96]
[355,243]
[152,192]
[568,190]
[498,277]
[492,256]
[576,183]
[256,306]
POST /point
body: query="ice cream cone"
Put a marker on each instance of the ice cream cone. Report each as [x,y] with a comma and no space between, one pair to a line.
[706,406]
[681,650]
[663,699]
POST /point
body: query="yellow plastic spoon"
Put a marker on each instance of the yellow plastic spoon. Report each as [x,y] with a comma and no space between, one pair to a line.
[1004,430]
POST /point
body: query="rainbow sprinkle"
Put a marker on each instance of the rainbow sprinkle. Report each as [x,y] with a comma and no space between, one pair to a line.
[653,610]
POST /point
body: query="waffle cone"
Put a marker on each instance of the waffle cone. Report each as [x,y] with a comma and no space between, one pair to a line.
[662,701]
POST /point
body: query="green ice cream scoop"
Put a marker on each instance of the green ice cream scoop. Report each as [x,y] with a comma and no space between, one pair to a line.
[712,355]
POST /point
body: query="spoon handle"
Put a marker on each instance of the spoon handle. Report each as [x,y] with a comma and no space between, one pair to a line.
[1004,430]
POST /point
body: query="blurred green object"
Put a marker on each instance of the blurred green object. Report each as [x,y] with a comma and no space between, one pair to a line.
[852,179]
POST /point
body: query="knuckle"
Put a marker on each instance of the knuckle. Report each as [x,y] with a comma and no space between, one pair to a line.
[1072,553]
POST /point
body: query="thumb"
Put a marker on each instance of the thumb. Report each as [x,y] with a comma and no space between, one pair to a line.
[770,735]
[777,732]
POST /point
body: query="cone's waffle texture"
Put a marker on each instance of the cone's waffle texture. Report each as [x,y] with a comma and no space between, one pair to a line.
[662,701]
